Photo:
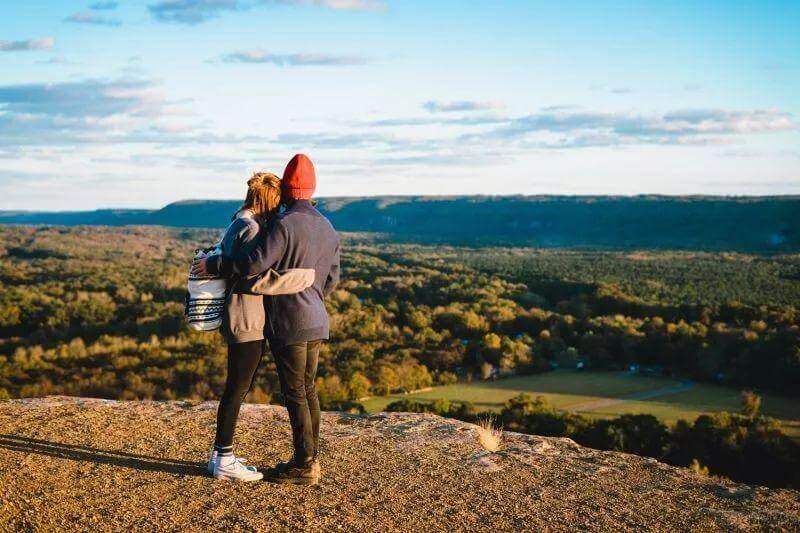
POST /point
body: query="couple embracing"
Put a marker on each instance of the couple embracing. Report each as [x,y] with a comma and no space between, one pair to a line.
[261,242]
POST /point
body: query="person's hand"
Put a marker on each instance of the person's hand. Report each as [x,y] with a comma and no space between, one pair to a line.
[199,267]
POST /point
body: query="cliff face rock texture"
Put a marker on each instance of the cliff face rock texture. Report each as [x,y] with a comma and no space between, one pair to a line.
[71,464]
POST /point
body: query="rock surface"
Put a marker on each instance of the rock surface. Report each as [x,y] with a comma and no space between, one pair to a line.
[79,464]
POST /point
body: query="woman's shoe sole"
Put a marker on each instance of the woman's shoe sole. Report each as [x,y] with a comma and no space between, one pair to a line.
[226,477]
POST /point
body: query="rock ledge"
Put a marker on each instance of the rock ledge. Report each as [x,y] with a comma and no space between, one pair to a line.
[84,464]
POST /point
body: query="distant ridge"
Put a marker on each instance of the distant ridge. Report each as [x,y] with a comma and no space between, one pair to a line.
[755,224]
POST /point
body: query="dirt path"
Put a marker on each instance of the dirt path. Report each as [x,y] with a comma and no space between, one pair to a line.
[92,465]
[638,396]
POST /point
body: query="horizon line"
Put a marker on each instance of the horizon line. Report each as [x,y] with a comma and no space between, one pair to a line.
[791,196]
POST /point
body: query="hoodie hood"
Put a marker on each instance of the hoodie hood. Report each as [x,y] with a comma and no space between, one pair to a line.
[243,213]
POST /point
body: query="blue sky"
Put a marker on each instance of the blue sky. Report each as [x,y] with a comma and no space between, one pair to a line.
[140,103]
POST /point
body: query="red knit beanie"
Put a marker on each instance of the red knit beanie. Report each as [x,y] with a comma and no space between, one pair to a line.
[299,178]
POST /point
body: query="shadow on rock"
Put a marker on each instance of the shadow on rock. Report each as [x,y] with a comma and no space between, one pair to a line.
[84,453]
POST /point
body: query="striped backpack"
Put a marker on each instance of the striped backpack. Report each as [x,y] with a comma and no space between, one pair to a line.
[205,300]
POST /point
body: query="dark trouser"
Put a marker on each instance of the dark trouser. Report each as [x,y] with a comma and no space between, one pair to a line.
[297,369]
[243,359]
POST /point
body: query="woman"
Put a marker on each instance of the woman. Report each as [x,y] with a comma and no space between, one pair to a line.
[242,327]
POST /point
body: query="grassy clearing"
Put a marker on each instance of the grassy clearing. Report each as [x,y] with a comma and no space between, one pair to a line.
[561,388]
[607,394]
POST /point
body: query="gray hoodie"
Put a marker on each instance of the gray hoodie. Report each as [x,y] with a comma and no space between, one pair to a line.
[243,318]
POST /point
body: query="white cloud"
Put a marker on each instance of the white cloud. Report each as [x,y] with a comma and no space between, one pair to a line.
[192,11]
[57,60]
[357,5]
[87,98]
[89,17]
[435,106]
[104,6]
[437,121]
[198,11]
[26,46]
[692,126]
[86,111]
[293,60]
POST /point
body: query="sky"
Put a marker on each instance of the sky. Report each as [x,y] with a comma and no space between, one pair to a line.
[127,103]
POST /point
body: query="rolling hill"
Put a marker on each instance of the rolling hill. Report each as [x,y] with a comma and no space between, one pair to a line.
[753,224]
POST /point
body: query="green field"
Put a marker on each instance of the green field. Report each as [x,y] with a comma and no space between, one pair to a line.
[608,394]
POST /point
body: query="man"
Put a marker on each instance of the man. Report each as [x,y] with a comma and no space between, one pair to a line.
[296,324]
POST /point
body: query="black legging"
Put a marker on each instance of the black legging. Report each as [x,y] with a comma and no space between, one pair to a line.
[243,360]
[297,369]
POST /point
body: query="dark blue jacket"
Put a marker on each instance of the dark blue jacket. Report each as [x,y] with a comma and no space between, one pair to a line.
[298,238]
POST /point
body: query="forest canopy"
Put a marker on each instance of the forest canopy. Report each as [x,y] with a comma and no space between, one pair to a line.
[98,311]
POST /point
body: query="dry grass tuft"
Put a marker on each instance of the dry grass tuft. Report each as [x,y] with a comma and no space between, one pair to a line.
[489,436]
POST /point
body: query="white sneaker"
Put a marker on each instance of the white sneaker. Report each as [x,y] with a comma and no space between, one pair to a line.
[230,468]
[213,457]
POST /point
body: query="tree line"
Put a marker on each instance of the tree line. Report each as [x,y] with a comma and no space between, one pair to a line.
[99,312]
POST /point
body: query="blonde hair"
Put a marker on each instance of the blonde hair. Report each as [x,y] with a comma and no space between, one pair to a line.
[263,194]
